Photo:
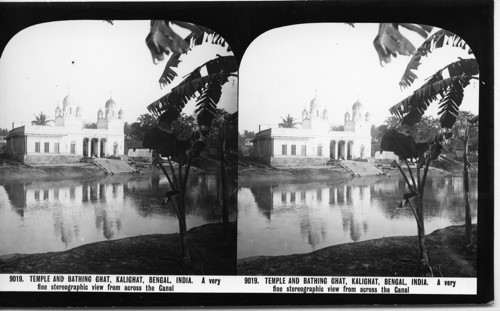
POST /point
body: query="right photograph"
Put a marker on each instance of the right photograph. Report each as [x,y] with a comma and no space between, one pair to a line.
[358,150]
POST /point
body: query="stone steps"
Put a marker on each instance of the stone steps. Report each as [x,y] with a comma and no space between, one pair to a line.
[360,168]
[112,166]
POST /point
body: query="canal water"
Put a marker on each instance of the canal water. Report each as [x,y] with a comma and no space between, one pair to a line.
[292,218]
[46,216]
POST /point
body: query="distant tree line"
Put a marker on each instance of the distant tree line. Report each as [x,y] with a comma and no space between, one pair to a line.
[188,124]
[426,129]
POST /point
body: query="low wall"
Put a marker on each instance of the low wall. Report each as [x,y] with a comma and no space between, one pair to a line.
[296,162]
[34,159]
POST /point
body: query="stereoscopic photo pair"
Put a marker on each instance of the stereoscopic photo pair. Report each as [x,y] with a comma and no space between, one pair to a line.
[152,147]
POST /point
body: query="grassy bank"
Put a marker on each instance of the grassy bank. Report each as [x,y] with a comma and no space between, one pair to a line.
[146,254]
[251,171]
[391,256]
[77,170]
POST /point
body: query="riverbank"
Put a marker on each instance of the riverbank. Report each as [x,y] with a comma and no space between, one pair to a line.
[252,171]
[11,170]
[20,171]
[145,254]
[391,256]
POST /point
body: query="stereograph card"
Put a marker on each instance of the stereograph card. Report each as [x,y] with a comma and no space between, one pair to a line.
[246,153]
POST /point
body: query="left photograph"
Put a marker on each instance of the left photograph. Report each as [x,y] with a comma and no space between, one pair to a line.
[118,149]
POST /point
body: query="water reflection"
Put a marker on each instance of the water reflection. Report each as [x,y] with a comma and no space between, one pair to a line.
[43,216]
[297,218]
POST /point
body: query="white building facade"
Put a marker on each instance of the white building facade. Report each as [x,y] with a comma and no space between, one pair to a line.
[67,141]
[315,143]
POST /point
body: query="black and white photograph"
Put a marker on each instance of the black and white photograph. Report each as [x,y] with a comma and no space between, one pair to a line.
[246,153]
[118,148]
[359,148]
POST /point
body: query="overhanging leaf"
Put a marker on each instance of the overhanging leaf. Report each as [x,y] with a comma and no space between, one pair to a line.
[162,141]
[449,104]
[169,73]
[207,102]
[169,107]
[409,108]
[390,42]
[195,38]
[163,40]
[422,30]
[400,144]
[437,40]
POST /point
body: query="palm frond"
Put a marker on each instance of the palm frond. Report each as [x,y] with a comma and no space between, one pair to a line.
[163,40]
[437,40]
[198,36]
[216,65]
[411,109]
[169,107]
[468,67]
[196,30]
[206,106]
[389,42]
[288,122]
[452,99]
[193,39]
[169,73]
[221,64]
[422,30]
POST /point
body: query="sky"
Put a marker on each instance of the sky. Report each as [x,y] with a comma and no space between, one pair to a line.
[283,68]
[93,60]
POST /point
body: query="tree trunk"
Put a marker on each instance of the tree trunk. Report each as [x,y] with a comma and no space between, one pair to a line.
[186,258]
[468,221]
[425,266]
[424,258]
[417,207]
[225,212]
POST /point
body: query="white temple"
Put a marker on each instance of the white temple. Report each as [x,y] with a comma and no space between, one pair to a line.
[315,143]
[67,140]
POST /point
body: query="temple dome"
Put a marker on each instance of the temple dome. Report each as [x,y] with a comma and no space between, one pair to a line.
[357,106]
[67,101]
[347,117]
[367,116]
[110,103]
[315,103]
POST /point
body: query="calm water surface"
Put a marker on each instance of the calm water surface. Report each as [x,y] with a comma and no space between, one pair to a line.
[290,218]
[43,216]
